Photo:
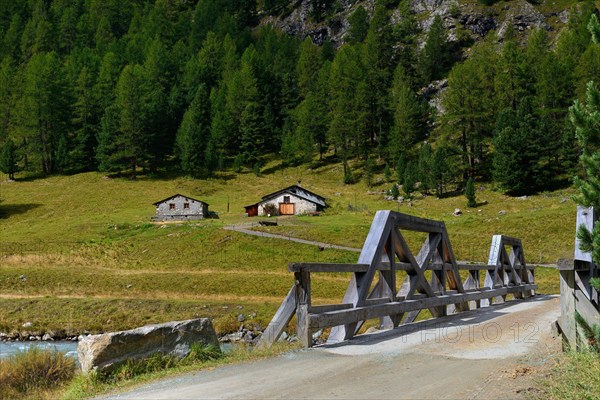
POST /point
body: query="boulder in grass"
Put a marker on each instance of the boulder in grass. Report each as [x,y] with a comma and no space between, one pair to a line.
[103,353]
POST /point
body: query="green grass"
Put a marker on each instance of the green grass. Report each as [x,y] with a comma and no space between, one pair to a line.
[576,376]
[132,375]
[78,252]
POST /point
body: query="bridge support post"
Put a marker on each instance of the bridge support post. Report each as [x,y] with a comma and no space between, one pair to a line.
[302,281]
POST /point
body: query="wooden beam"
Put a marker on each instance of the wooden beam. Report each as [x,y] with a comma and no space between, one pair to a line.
[328,267]
[282,317]
[302,306]
[328,308]
[342,317]
[412,223]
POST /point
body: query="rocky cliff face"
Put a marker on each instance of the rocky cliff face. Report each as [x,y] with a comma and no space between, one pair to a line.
[474,17]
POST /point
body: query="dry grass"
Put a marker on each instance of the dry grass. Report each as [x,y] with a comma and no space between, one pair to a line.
[33,372]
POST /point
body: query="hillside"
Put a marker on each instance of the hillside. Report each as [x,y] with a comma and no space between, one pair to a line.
[79,254]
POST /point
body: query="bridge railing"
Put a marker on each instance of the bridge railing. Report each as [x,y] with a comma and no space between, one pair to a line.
[387,256]
[577,295]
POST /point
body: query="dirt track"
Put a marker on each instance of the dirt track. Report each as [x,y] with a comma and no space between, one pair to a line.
[485,354]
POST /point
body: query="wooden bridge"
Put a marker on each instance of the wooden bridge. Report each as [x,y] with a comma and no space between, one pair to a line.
[431,280]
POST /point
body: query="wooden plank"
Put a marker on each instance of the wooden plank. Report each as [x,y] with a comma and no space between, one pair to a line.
[412,223]
[359,285]
[329,307]
[377,301]
[343,317]
[328,267]
[282,317]
[510,241]
[302,305]
[586,308]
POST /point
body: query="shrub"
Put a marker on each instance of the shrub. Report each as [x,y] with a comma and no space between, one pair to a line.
[394,192]
[34,370]
[470,194]
[271,209]
[349,177]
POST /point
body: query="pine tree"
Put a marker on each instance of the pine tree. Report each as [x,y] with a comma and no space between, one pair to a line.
[6,95]
[470,194]
[408,127]
[426,182]
[471,108]
[401,164]
[369,171]
[387,174]
[308,67]
[586,119]
[394,192]
[85,113]
[517,144]
[344,127]
[193,136]
[359,25]
[42,110]
[434,59]
[439,170]
[377,64]
[410,180]
[122,144]
[8,159]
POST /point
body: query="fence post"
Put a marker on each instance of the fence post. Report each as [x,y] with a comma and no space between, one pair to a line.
[302,280]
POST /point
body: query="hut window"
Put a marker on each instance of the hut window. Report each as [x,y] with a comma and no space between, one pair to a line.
[171,206]
[186,205]
[286,199]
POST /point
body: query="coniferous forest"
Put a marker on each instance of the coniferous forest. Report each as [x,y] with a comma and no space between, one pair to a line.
[140,86]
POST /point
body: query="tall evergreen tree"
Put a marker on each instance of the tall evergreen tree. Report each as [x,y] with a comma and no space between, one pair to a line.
[345,113]
[586,119]
[359,25]
[470,108]
[8,159]
[440,170]
[518,144]
[85,123]
[408,127]
[42,109]
[122,142]
[470,194]
[193,136]
[434,58]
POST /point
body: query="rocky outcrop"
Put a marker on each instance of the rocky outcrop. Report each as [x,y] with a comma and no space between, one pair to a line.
[522,16]
[475,18]
[298,23]
[104,352]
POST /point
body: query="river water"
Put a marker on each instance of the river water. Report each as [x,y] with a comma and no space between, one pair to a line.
[69,348]
[9,348]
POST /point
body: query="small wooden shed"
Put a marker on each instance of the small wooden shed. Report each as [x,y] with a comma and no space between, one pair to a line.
[180,208]
[293,200]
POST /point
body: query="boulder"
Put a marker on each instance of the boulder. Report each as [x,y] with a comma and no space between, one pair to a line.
[105,352]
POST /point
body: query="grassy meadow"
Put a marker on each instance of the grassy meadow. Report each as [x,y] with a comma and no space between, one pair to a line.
[78,253]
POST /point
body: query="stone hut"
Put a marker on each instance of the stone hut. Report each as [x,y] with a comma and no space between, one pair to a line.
[180,208]
[293,200]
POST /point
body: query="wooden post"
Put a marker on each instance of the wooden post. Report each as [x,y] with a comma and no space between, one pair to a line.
[302,305]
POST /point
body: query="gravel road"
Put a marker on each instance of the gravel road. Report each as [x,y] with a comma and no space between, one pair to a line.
[490,353]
